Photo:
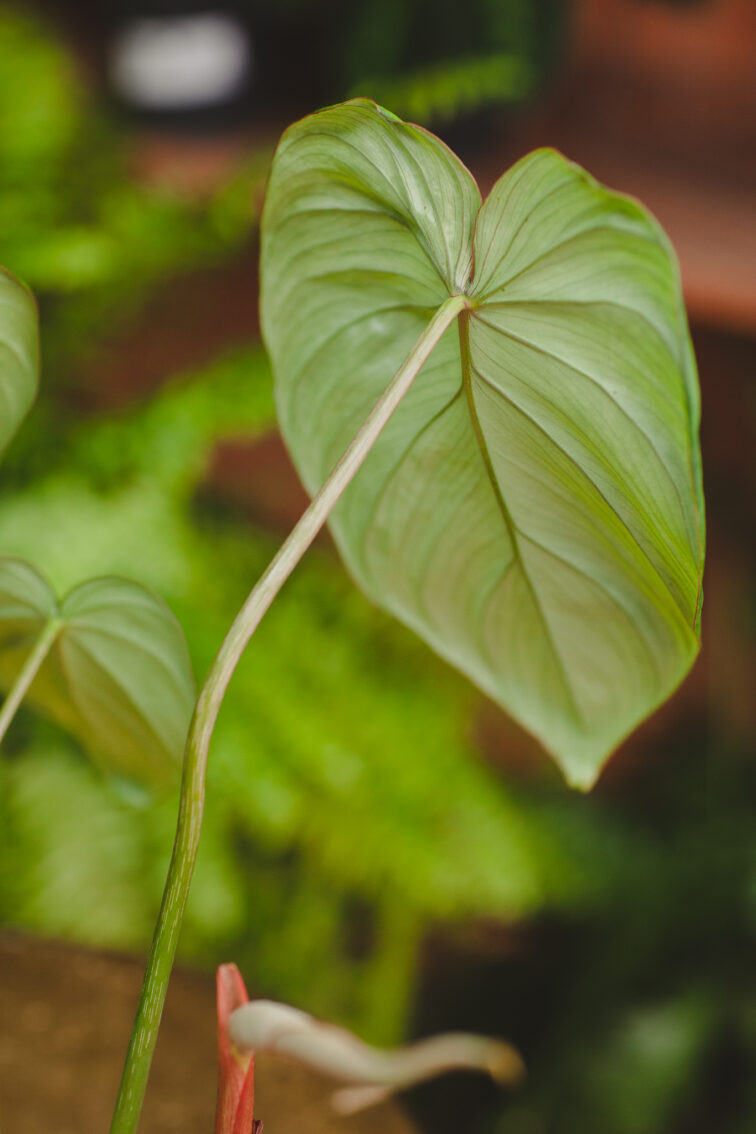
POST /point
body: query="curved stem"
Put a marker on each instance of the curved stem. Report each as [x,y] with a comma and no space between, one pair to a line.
[28,672]
[165,939]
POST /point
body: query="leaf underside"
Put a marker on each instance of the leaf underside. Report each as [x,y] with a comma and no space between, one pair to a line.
[19,354]
[118,676]
[534,507]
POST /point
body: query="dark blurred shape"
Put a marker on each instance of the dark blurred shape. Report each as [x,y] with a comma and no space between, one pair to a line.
[192,65]
[419,56]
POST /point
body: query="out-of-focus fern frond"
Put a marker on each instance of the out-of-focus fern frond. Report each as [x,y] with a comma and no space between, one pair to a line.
[442,92]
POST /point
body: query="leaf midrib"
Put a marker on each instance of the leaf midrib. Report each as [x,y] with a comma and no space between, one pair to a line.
[511,527]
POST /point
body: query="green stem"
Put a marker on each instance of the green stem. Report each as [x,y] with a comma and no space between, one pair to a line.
[165,939]
[28,672]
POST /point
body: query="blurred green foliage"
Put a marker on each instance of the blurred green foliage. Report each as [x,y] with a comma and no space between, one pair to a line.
[341,772]
[428,61]
[349,811]
[445,91]
[90,240]
[432,60]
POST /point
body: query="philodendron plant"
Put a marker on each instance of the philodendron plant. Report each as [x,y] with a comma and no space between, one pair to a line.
[495,405]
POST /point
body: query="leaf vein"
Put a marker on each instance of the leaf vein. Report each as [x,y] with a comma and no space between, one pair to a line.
[586,477]
[529,345]
[506,514]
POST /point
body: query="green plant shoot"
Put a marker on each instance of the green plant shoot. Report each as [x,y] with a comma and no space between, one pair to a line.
[494,404]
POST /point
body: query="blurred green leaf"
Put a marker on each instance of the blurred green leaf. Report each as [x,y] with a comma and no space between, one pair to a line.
[643,1068]
[39,95]
[118,675]
[534,507]
[19,354]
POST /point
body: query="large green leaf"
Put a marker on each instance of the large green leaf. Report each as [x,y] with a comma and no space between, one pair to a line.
[118,675]
[534,507]
[19,354]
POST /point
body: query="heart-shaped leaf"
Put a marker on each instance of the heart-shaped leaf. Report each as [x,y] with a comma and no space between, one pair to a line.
[534,507]
[118,674]
[19,354]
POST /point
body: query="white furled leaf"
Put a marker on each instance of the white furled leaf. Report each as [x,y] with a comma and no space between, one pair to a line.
[263,1025]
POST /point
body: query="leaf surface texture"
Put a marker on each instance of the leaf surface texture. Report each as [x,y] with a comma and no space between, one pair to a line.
[19,354]
[534,507]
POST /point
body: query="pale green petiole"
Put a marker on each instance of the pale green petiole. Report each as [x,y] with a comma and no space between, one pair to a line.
[165,939]
[28,672]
